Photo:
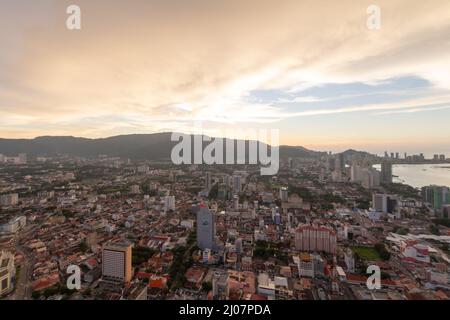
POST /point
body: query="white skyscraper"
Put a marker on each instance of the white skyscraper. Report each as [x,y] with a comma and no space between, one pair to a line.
[169,203]
[284,194]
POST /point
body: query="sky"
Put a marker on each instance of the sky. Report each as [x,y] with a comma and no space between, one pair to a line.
[311,69]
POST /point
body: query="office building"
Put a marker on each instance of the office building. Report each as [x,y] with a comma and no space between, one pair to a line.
[284,195]
[169,203]
[386,172]
[205,228]
[384,203]
[446,211]
[208,181]
[237,183]
[305,265]
[331,164]
[437,196]
[368,177]
[341,159]
[116,262]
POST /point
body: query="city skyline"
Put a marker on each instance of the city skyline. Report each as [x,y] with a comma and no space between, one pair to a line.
[312,70]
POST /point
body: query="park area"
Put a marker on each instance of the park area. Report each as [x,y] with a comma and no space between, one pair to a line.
[366,253]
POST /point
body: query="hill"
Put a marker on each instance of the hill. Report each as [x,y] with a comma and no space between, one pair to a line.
[157,146]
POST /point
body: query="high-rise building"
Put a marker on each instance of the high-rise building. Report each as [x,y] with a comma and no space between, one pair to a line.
[331,163]
[341,159]
[446,211]
[315,238]
[222,192]
[7,272]
[368,177]
[208,181]
[355,173]
[116,262]
[437,196]
[237,183]
[236,202]
[238,245]
[386,172]
[169,203]
[284,194]
[205,228]
[384,203]
[349,260]
[226,180]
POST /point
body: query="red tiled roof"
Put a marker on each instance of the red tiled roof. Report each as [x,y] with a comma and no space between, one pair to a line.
[157,283]
[363,279]
[257,297]
[144,275]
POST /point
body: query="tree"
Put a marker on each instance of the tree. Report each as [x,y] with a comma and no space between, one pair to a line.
[434,230]
[382,251]
[206,286]
[83,246]
[36,295]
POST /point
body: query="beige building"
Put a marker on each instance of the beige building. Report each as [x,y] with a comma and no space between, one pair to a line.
[7,200]
[14,225]
[7,272]
[116,262]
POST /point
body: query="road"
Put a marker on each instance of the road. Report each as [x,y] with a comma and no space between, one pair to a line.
[23,289]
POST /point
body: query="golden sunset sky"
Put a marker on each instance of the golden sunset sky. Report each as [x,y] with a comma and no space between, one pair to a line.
[311,69]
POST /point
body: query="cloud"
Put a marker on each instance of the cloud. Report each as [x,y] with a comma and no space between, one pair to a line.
[414,110]
[149,65]
[427,103]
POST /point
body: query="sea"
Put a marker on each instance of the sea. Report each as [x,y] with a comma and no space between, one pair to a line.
[420,175]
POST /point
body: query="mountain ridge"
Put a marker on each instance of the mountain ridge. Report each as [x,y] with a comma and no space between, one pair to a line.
[153,146]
